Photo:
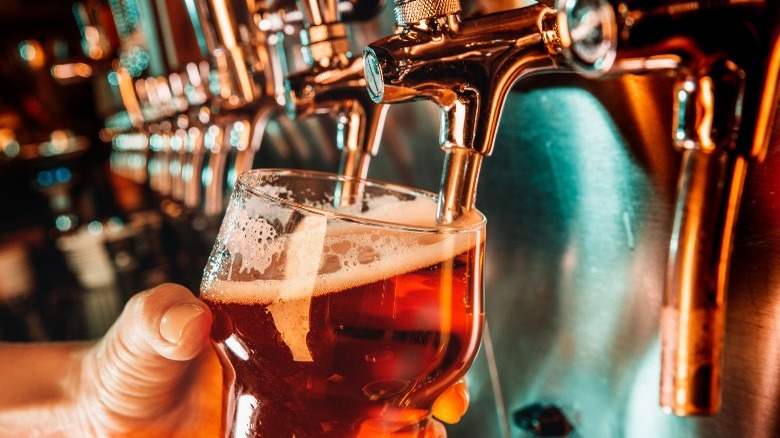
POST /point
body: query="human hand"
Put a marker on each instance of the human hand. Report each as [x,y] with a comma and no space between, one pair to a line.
[157,352]
[152,375]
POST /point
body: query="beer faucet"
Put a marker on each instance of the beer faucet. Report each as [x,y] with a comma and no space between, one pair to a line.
[212,173]
[334,85]
[725,56]
[467,67]
[160,137]
[250,93]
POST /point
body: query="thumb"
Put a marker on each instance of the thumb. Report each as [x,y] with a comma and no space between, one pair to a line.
[166,322]
[137,369]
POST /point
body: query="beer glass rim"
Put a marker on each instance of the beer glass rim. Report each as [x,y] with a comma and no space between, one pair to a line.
[457,227]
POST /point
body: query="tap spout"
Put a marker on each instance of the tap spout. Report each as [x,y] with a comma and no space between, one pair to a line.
[707,113]
[341,92]
[467,68]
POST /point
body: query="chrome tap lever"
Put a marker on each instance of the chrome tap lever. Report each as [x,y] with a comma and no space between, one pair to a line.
[726,56]
[467,67]
[334,85]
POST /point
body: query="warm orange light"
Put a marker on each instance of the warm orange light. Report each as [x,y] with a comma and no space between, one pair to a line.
[768,104]
[71,71]
[31,52]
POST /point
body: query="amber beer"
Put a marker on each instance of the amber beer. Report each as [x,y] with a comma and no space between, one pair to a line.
[340,319]
[381,352]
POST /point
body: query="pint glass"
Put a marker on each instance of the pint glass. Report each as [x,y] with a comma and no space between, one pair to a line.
[343,321]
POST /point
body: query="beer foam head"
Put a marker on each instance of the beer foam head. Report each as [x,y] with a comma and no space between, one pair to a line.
[326,254]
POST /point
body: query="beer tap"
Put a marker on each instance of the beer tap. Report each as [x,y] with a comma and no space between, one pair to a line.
[212,174]
[334,85]
[160,142]
[178,145]
[238,50]
[249,75]
[134,128]
[188,99]
[467,67]
[725,56]
[192,169]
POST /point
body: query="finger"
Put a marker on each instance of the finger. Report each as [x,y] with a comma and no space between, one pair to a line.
[435,429]
[451,405]
[395,422]
[167,320]
[137,368]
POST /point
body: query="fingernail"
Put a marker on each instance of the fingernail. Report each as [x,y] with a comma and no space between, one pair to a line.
[176,319]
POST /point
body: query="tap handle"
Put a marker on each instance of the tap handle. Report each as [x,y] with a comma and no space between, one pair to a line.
[410,12]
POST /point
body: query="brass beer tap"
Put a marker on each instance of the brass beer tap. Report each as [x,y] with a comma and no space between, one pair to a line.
[724,56]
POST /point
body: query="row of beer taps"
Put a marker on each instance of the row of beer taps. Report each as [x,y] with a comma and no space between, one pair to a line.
[722,57]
